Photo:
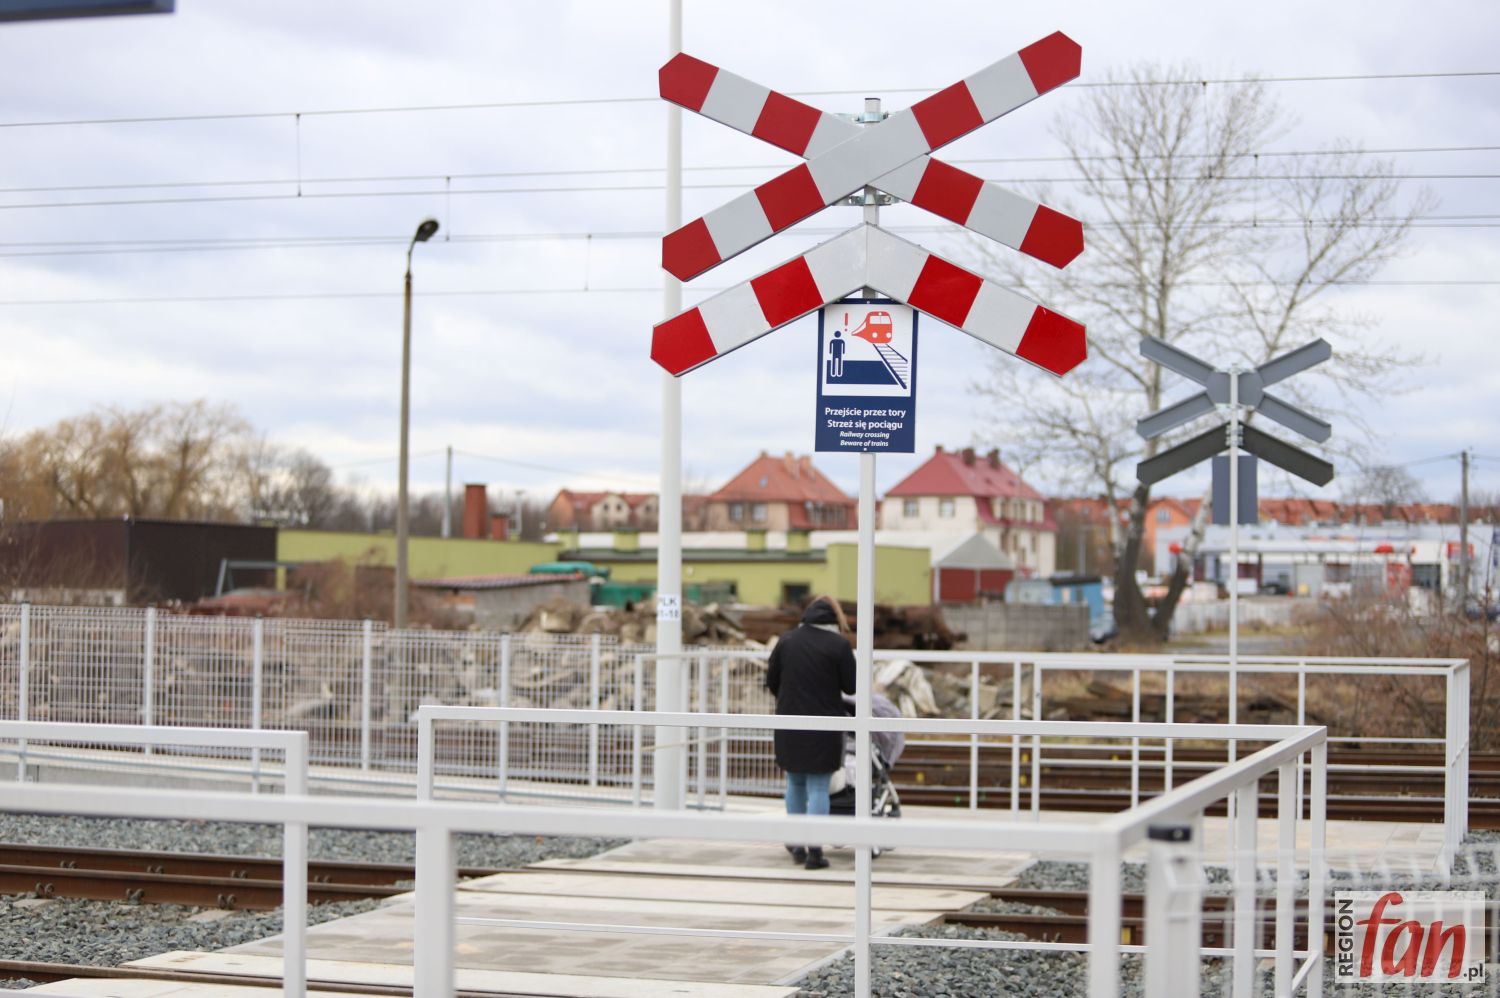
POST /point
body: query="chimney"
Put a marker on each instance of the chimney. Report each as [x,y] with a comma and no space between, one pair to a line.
[939,449]
[790,463]
[994,458]
[476,512]
[500,527]
[968,454]
[805,464]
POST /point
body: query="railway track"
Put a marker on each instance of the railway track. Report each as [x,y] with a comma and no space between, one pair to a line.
[48,973]
[1398,786]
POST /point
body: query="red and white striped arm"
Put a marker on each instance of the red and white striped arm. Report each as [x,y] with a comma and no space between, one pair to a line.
[867,256]
[843,156]
[985,310]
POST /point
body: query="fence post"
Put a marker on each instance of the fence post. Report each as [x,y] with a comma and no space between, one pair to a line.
[594,705]
[1135,741]
[432,963]
[503,750]
[1015,740]
[1286,871]
[635,751]
[1104,922]
[257,672]
[1037,671]
[23,682]
[1170,717]
[1455,763]
[702,754]
[366,691]
[974,739]
[1316,874]
[1247,804]
[426,756]
[724,735]
[148,673]
[1174,913]
[294,876]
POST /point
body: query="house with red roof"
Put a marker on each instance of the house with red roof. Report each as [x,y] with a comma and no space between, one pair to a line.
[780,493]
[572,510]
[959,490]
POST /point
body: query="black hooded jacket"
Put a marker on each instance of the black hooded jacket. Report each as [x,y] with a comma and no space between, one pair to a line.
[810,669]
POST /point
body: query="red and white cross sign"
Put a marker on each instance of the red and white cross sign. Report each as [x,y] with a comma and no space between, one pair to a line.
[842,157]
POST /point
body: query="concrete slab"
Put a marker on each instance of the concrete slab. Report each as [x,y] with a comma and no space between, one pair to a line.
[747,860]
[385,935]
[661,885]
[400,975]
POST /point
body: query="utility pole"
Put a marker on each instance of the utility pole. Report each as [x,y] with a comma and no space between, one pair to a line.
[1463,532]
[448,496]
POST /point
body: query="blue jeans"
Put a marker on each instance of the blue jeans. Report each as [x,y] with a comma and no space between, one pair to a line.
[807,793]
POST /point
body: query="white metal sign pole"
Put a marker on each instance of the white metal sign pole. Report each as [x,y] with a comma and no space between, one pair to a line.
[865,636]
[1234,551]
[669,685]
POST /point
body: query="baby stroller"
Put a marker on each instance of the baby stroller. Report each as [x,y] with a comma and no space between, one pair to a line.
[885,749]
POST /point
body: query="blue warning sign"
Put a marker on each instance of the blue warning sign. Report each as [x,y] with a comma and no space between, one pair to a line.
[867,376]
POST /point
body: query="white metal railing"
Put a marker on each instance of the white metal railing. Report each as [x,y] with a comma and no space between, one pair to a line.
[1104,843]
[291,744]
[353,686]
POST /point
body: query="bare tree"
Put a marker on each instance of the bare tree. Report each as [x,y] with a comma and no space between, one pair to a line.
[1194,236]
[1385,485]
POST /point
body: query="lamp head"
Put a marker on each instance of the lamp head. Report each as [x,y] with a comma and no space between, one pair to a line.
[426,230]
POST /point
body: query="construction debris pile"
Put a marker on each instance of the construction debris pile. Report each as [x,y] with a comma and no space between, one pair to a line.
[896,627]
[706,625]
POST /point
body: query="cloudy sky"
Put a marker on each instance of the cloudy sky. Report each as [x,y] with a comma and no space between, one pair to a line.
[215,204]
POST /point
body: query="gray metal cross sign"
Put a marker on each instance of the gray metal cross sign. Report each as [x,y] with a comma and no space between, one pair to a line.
[1236,389]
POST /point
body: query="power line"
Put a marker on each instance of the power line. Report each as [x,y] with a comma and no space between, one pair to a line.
[584,101]
[303,195]
[745,167]
[548,468]
[104,247]
[651,289]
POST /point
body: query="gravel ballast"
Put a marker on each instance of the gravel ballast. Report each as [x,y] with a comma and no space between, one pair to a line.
[231,839]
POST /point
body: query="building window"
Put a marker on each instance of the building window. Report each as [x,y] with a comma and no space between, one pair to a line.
[736,512]
[945,508]
[1162,516]
[908,508]
[758,512]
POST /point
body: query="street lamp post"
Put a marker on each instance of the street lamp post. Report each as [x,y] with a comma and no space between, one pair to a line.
[424,232]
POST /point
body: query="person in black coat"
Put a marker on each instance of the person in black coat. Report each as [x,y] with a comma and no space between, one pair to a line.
[810,669]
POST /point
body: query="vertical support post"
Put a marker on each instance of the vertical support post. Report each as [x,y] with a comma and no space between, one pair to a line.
[434,933]
[1174,913]
[724,735]
[1037,672]
[1104,922]
[366,691]
[426,756]
[1015,740]
[294,878]
[257,675]
[1135,741]
[1286,872]
[594,705]
[635,752]
[1170,718]
[865,676]
[1246,806]
[148,673]
[702,752]
[668,789]
[1463,532]
[23,687]
[974,739]
[1234,554]
[1317,874]
[502,751]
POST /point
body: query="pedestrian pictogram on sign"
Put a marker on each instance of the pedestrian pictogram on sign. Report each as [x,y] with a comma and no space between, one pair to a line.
[892,155]
[867,376]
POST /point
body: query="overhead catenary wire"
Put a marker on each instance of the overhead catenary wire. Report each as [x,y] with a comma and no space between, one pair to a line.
[583,101]
[550,469]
